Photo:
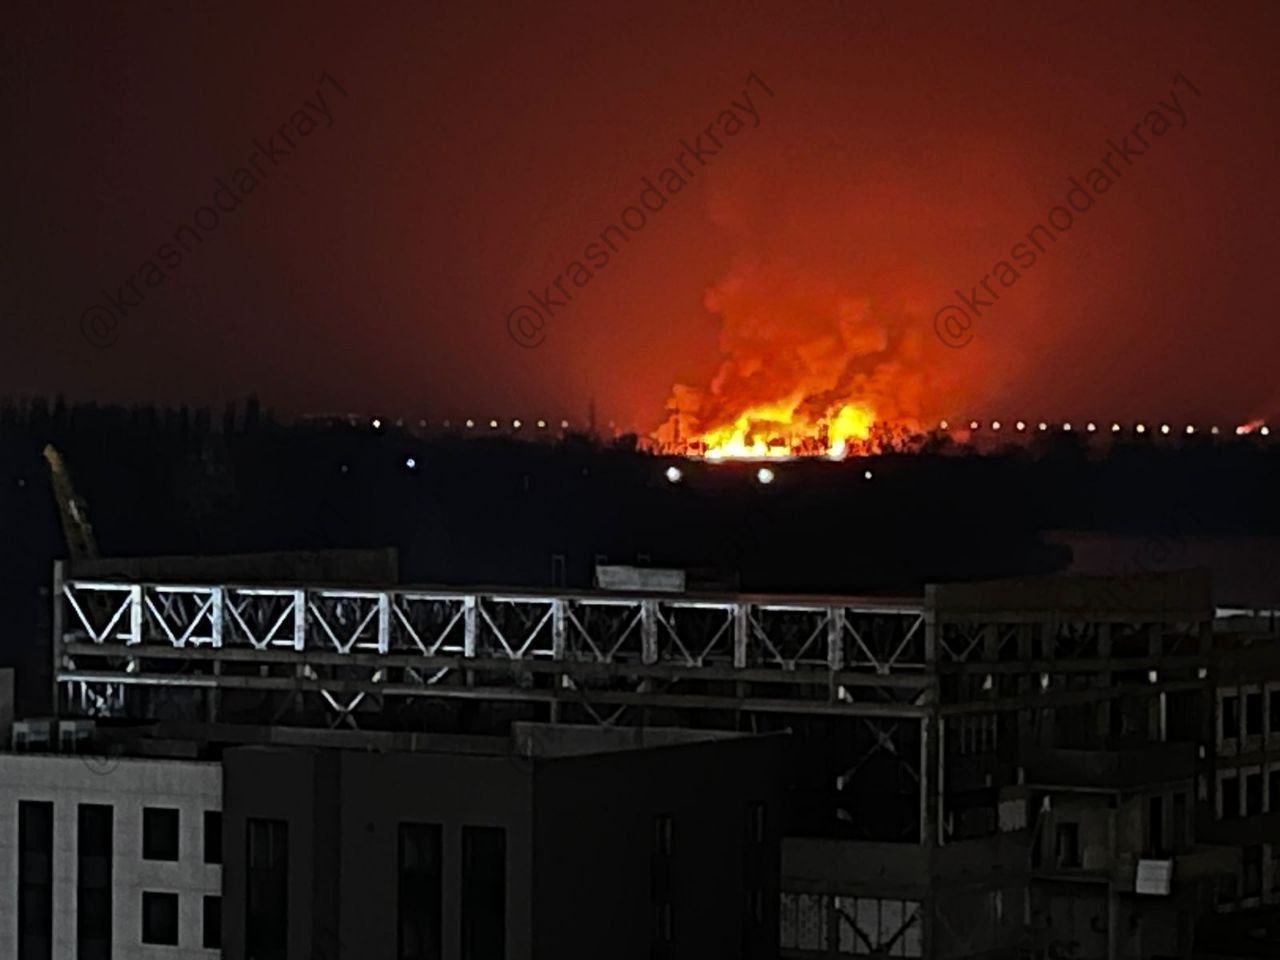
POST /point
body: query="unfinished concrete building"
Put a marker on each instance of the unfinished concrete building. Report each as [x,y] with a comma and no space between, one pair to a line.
[1032,768]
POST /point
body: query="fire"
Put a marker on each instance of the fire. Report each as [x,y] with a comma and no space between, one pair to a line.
[781,430]
[806,370]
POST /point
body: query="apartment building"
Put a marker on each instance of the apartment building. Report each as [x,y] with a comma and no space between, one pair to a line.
[109,858]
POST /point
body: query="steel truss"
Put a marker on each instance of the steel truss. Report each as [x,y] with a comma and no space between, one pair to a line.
[894,677]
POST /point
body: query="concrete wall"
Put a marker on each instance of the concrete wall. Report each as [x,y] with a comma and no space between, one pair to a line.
[594,817]
[344,809]
[128,786]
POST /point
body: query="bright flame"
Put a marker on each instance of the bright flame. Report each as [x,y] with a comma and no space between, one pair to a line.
[779,430]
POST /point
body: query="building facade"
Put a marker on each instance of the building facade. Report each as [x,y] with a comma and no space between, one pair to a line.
[109,857]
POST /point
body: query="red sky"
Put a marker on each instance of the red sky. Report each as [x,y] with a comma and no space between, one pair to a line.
[480,147]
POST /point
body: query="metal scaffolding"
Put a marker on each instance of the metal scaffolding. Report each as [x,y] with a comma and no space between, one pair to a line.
[895,680]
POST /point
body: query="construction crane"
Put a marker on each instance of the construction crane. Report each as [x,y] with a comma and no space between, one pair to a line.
[75,514]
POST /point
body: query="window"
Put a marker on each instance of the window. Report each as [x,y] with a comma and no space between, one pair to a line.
[160,918]
[1229,795]
[93,882]
[1253,714]
[755,823]
[1230,717]
[1253,794]
[266,889]
[1274,697]
[1179,821]
[1067,844]
[159,833]
[1251,871]
[1273,783]
[1275,868]
[868,926]
[663,829]
[1155,826]
[660,872]
[753,882]
[484,893]
[804,920]
[212,836]
[420,890]
[211,933]
[1227,886]
[35,880]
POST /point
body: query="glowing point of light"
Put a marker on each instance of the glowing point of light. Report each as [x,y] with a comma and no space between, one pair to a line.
[1042,425]
[1020,425]
[493,424]
[1202,672]
[995,424]
[410,463]
[973,424]
[764,475]
[1115,428]
[1066,428]
[1164,428]
[515,424]
[1240,431]
[377,424]
[866,474]
[1214,430]
[542,424]
[1153,676]
[1044,681]
[1265,430]
[422,423]
[1091,427]
[944,425]
[470,424]
[1141,428]
[1190,429]
[674,474]
[564,424]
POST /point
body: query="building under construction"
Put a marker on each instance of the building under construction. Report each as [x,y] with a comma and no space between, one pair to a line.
[1052,767]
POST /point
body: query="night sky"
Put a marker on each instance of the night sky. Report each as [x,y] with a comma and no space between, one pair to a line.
[447,159]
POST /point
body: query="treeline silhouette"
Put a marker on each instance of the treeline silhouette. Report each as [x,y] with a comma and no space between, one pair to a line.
[490,509]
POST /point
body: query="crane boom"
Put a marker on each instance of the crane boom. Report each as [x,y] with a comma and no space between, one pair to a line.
[76,527]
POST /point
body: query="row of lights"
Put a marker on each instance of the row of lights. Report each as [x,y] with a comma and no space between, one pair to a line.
[1092,427]
[376,423]
[764,475]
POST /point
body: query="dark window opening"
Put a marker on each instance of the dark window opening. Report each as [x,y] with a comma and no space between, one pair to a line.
[159,833]
[484,893]
[1230,718]
[211,934]
[420,892]
[1273,780]
[212,836]
[35,880]
[267,889]
[663,839]
[1068,844]
[93,882]
[1274,697]
[1155,826]
[1252,794]
[1253,714]
[1179,821]
[1251,871]
[1230,788]
[160,918]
